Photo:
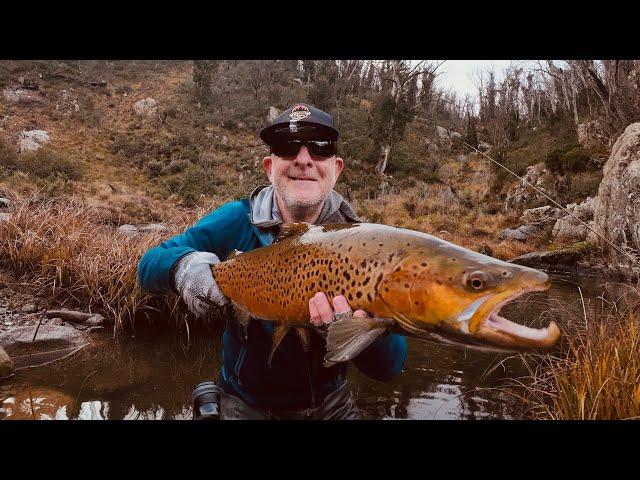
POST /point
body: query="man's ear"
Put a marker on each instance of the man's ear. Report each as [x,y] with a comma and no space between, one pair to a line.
[267,163]
[339,166]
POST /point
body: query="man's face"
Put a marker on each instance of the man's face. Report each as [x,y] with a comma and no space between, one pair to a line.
[303,180]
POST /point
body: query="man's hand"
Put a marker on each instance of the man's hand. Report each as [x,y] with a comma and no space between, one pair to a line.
[195,283]
[321,312]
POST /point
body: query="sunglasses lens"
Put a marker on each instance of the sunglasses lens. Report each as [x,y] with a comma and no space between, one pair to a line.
[317,148]
[321,148]
[286,148]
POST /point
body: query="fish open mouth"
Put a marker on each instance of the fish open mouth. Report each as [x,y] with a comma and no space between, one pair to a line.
[501,331]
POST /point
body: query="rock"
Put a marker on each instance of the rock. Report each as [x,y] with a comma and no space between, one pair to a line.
[569,229]
[32,140]
[541,216]
[617,206]
[5,203]
[225,140]
[51,343]
[29,308]
[22,95]
[442,137]
[6,364]
[155,227]
[484,147]
[564,259]
[584,210]
[128,229]
[147,107]
[535,175]
[522,233]
[273,114]
[593,135]
[55,321]
[455,135]
[94,321]
[5,216]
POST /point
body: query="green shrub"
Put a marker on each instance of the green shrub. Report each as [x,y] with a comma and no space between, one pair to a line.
[567,160]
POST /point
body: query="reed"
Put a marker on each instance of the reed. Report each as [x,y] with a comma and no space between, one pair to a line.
[65,251]
[597,376]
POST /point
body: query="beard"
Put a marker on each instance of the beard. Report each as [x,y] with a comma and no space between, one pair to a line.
[301,208]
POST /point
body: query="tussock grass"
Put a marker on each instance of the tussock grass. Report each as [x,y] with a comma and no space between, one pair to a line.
[65,251]
[597,377]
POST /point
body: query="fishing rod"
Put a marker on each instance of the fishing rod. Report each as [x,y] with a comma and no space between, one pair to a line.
[618,249]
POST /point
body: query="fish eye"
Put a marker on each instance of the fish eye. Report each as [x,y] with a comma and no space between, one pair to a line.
[476,280]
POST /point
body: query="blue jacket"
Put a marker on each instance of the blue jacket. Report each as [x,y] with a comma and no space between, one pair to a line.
[296,379]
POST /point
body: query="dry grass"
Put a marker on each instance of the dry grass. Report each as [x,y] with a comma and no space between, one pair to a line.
[458,217]
[64,250]
[598,375]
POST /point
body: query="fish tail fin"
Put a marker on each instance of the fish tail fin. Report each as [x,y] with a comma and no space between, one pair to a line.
[278,334]
[348,337]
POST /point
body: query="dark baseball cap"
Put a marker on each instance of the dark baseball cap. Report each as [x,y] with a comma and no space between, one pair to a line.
[301,121]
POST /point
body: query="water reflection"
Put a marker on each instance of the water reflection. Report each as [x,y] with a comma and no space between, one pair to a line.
[151,377]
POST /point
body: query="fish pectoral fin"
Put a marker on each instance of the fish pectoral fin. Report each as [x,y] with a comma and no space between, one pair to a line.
[303,334]
[278,334]
[347,338]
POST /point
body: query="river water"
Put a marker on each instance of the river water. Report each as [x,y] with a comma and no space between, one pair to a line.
[151,376]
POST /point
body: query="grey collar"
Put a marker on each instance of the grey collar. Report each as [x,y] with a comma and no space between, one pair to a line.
[265,212]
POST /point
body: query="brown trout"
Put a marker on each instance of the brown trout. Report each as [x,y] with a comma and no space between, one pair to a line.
[411,282]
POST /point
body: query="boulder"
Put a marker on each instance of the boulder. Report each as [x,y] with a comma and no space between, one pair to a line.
[484,147]
[522,233]
[569,229]
[6,364]
[32,140]
[443,139]
[564,259]
[52,343]
[535,175]
[617,206]
[5,203]
[146,107]
[541,216]
[455,136]
[593,135]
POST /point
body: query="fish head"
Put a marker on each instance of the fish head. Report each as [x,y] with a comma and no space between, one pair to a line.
[459,295]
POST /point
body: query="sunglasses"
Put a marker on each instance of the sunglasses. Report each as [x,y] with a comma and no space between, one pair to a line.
[317,148]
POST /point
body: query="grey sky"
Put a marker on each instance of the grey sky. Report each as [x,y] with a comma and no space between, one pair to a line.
[457,74]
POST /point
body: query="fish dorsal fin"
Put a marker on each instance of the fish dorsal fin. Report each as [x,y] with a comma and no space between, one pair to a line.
[234,253]
[292,229]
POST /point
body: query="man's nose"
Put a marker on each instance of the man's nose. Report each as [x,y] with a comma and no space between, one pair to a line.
[303,156]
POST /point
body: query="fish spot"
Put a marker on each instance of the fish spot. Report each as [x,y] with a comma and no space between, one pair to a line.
[366,281]
[358,294]
[439,282]
[424,264]
[369,297]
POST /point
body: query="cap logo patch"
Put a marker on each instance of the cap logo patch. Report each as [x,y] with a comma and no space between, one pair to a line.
[299,112]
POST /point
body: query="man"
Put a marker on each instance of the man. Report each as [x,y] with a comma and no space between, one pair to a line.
[303,168]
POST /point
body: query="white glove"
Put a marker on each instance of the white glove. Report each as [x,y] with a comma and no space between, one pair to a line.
[195,283]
